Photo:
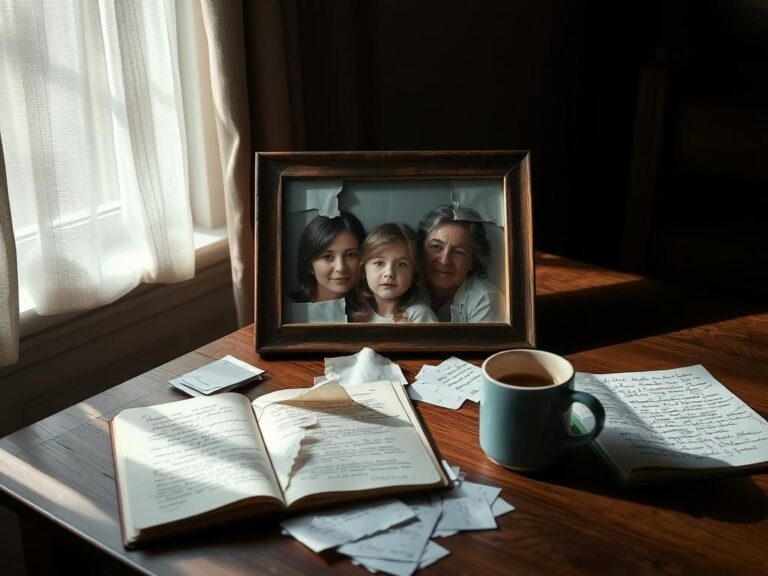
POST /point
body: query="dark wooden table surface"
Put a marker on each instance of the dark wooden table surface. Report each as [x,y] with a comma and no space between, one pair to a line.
[572,519]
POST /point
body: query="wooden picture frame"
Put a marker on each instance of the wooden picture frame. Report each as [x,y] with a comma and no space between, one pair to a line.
[277,173]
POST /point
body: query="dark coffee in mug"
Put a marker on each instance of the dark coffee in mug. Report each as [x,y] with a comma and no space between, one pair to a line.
[525,380]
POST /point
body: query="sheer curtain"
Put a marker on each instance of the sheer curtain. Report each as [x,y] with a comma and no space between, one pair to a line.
[96,170]
[97,165]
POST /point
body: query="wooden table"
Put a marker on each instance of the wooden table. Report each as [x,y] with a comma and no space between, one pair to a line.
[572,519]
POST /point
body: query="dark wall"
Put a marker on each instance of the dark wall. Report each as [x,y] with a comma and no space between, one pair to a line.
[647,122]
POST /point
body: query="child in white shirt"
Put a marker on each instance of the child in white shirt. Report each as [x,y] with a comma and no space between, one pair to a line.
[390,287]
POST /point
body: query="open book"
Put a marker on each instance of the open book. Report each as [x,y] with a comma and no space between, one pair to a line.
[188,464]
[671,425]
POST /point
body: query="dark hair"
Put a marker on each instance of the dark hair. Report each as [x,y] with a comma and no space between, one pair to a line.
[317,236]
[445,214]
[364,304]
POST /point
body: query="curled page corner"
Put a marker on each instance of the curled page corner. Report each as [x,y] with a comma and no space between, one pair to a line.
[328,391]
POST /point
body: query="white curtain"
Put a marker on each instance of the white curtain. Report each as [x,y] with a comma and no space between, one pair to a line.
[92,120]
[223,23]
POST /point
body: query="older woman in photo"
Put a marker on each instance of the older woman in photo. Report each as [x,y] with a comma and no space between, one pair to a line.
[455,254]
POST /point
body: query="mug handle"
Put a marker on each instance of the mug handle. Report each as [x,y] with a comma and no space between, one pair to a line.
[598,412]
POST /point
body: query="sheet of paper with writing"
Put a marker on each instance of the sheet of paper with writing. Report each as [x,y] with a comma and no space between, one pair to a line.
[436,394]
[324,530]
[178,460]
[455,374]
[406,542]
[678,418]
[359,437]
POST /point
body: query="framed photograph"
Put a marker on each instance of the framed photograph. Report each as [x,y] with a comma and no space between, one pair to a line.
[400,251]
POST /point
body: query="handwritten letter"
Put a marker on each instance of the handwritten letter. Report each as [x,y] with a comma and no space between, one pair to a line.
[680,418]
[456,375]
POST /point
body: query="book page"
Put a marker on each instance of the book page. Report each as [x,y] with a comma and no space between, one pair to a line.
[331,439]
[184,458]
[679,418]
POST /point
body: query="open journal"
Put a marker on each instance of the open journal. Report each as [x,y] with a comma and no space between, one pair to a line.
[672,425]
[188,464]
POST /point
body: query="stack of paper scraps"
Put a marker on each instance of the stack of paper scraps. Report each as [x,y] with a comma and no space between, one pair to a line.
[395,536]
[222,375]
[448,384]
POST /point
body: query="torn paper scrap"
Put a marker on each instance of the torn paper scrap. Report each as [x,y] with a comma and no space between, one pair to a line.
[325,530]
[394,567]
[489,493]
[325,199]
[483,196]
[435,394]
[501,507]
[320,195]
[402,543]
[458,375]
[364,366]
[467,513]
[371,570]
[432,553]
[427,371]
[326,312]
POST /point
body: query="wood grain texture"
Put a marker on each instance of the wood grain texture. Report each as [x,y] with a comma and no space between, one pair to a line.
[571,519]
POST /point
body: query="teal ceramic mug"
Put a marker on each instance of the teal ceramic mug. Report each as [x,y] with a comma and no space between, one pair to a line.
[525,411]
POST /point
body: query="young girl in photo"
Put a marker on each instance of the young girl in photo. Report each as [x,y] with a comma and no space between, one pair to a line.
[390,287]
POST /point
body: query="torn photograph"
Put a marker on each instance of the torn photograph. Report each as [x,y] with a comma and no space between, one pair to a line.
[394,251]
[399,250]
